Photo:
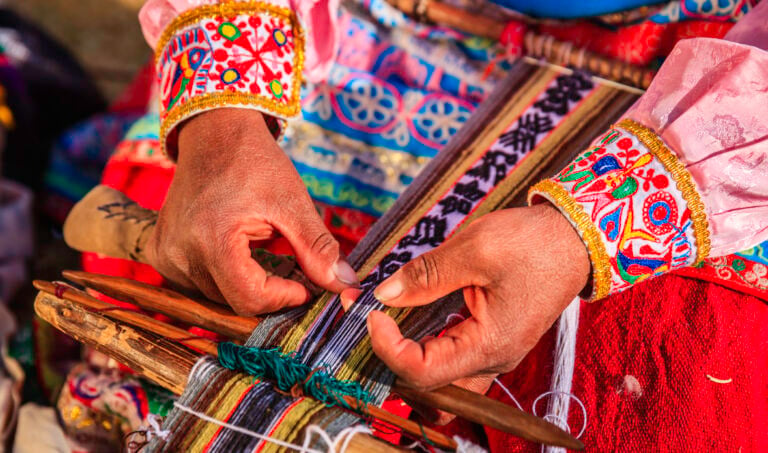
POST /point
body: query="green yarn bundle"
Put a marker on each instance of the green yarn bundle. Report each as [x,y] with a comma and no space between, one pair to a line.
[287,372]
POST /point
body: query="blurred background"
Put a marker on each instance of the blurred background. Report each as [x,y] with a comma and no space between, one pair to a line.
[74,76]
[92,31]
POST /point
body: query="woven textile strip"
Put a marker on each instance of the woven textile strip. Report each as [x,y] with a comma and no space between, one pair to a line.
[531,126]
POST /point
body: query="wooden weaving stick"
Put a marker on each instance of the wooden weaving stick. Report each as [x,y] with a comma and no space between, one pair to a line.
[536,45]
[466,404]
[210,347]
[164,362]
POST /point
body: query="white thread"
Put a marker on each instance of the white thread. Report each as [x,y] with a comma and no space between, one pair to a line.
[465,446]
[509,394]
[562,376]
[412,445]
[563,423]
[452,316]
[560,417]
[154,428]
[347,433]
[350,433]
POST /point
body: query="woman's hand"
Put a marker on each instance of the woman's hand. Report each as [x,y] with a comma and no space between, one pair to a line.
[519,269]
[234,185]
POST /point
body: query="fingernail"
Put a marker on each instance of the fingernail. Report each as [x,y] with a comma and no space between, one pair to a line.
[344,272]
[388,290]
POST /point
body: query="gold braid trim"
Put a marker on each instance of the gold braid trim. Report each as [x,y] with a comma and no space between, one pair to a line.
[220,99]
[598,255]
[682,178]
[224,9]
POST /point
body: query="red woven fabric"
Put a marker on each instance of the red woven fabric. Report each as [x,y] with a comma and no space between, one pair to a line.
[638,44]
[645,363]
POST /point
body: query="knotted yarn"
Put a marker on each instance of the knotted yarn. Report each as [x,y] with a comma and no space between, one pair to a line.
[291,375]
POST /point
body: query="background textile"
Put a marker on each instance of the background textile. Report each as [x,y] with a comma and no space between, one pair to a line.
[672,364]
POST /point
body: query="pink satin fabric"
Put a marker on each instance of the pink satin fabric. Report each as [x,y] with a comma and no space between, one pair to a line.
[318,19]
[709,102]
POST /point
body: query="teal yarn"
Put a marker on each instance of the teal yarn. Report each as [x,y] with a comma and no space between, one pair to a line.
[287,372]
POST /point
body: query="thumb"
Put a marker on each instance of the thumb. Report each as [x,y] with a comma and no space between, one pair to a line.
[429,276]
[317,251]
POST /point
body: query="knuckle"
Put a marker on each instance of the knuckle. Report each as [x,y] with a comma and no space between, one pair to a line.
[423,272]
[325,245]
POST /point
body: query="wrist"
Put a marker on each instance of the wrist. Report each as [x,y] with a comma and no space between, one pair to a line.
[224,133]
[567,248]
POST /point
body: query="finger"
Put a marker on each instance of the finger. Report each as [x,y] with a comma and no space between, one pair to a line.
[246,286]
[430,276]
[348,297]
[440,361]
[317,251]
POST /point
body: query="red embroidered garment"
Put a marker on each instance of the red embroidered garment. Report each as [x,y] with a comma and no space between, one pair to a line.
[672,364]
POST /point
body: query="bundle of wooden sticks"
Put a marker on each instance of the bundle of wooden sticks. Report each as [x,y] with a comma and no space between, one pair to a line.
[166,354]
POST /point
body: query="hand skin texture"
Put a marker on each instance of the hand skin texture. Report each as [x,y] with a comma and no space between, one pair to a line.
[519,269]
[233,186]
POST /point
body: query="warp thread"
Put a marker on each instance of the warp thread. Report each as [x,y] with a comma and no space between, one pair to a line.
[292,376]
[347,433]
[465,446]
[154,428]
[562,375]
[562,379]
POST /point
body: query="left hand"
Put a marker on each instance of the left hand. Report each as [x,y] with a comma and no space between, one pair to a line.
[519,269]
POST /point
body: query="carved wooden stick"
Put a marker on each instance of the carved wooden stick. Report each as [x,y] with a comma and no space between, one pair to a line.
[131,317]
[536,45]
[197,312]
[163,362]
[210,347]
[466,404]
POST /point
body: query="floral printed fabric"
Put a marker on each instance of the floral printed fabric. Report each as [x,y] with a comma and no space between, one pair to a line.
[247,55]
[639,215]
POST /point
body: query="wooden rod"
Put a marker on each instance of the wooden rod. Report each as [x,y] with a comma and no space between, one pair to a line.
[468,405]
[535,44]
[210,347]
[139,320]
[159,360]
[197,312]
[166,363]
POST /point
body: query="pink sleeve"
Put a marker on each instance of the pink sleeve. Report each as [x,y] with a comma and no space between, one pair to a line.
[709,103]
[319,18]
[684,174]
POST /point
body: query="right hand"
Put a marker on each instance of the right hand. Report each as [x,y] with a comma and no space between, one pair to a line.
[234,185]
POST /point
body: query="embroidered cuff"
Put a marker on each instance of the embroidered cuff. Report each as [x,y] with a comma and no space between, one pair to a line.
[233,54]
[634,205]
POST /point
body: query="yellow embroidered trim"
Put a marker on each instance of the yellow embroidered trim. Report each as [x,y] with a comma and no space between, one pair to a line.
[224,9]
[682,178]
[218,99]
[601,263]
[227,98]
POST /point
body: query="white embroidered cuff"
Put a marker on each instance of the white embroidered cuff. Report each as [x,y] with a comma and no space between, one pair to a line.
[233,54]
[634,205]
